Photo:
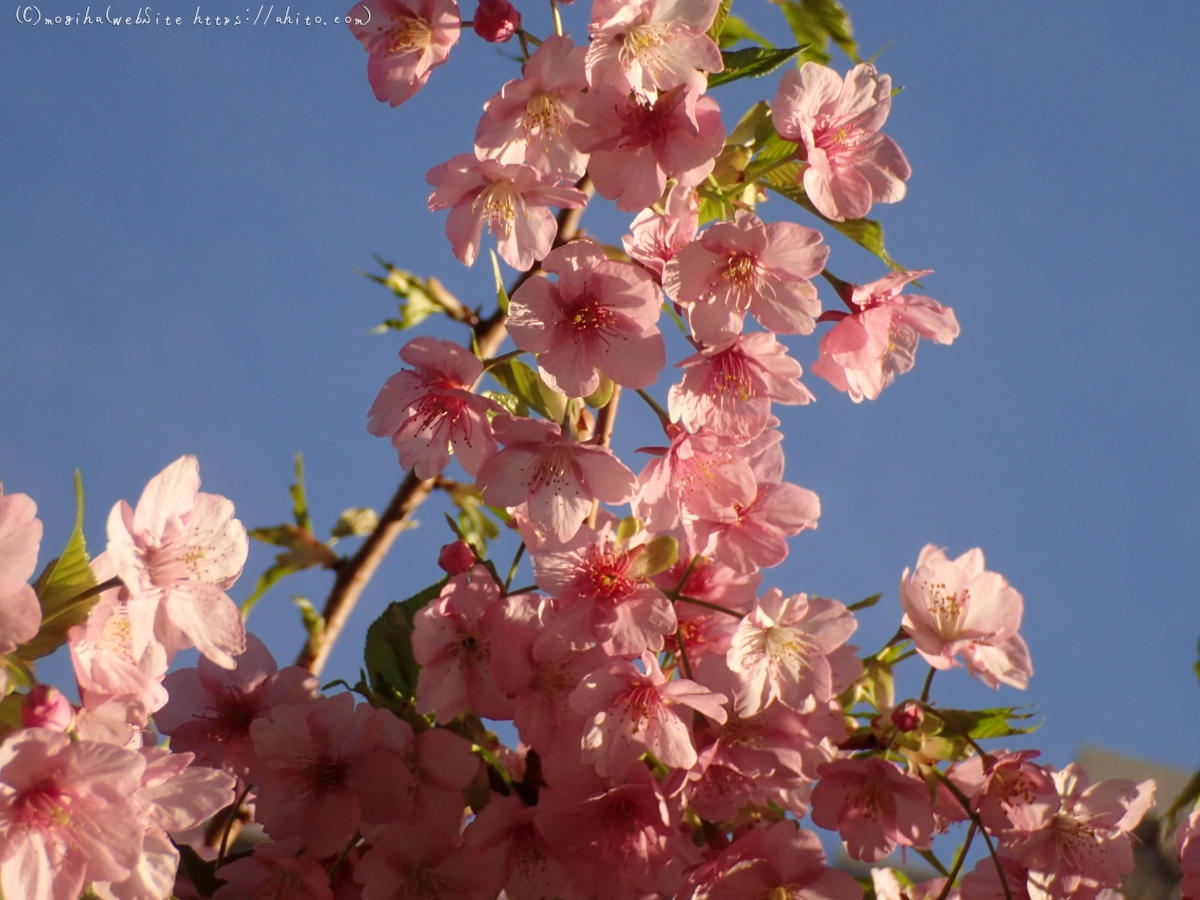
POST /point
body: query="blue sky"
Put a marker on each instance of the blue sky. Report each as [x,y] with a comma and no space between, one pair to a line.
[184,210]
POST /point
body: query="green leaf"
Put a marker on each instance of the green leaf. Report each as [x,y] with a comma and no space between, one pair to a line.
[752,62]
[753,127]
[718,24]
[391,669]
[736,29]
[265,582]
[1186,799]
[299,500]
[473,525]
[416,302]
[669,309]
[985,723]
[867,233]
[501,293]
[64,589]
[514,405]
[355,522]
[525,383]
[814,23]
[865,604]
[602,394]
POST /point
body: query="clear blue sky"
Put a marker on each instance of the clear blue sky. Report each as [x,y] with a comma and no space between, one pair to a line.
[184,209]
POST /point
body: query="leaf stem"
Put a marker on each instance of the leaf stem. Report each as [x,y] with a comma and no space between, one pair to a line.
[662,414]
[233,814]
[512,570]
[729,612]
[928,684]
[958,862]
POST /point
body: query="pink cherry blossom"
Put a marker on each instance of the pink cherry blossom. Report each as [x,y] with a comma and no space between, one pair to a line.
[756,536]
[115,652]
[1014,796]
[181,549]
[1189,855]
[504,833]
[657,237]
[954,608]
[603,592]
[174,796]
[452,641]
[496,21]
[873,806]
[512,201]
[702,475]
[429,409]
[407,39]
[411,861]
[836,123]
[637,144]
[746,265]
[877,340]
[617,838]
[527,121]
[327,767]
[647,46]
[983,882]
[20,537]
[634,713]
[456,557]
[211,709]
[1086,845]
[46,707]
[559,478]
[728,386]
[276,869]
[887,887]
[783,860]
[66,817]
[597,319]
[781,650]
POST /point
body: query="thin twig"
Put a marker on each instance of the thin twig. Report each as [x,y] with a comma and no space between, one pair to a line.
[928,684]
[737,615]
[958,863]
[233,814]
[683,659]
[355,573]
[512,570]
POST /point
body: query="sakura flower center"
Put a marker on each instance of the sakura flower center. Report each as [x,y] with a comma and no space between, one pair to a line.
[641,704]
[648,46]
[544,117]
[324,775]
[742,276]
[411,34]
[947,608]
[605,576]
[234,713]
[498,204]
[836,139]
[731,375]
[42,807]
[588,314]
[788,649]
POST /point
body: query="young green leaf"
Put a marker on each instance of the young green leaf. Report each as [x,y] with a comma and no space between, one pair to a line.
[501,293]
[299,499]
[736,29]
[752,62]
[391,669]
[64,589]
[524,382]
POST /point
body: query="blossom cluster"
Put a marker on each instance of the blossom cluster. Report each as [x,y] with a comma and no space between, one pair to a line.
[677,712]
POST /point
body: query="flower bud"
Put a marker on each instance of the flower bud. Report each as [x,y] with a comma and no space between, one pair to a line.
[908,716]
[456,558]
[496,20]
[46,707]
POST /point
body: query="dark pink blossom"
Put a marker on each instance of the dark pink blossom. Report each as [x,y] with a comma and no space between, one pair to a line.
[527,121]
[452,641]
[873,806]
[728,387]
[327,768]
[512,201]
[634,713]
[877,340]
[755,536]
[496,21]
[603,593]
[597,319]
[46,707]
[746,265]
[648,46]
[407,39]
[504,833]
[410,861]
[657,237]
[275,869]
[836,123]
[637,144]
[211,709]
[557,477]
[1188,846]
[429,409]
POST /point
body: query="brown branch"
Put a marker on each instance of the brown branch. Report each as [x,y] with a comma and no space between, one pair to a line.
[354,573]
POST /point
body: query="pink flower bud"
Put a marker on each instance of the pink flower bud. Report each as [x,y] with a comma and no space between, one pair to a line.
[456,558]
[908,716]
[496,20]
[46,707]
